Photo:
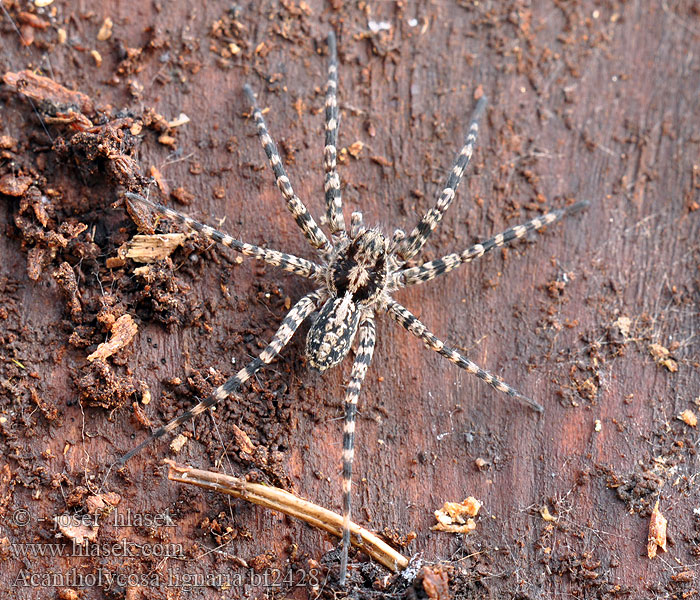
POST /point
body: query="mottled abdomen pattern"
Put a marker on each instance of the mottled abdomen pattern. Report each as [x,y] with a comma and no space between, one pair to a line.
[330,337]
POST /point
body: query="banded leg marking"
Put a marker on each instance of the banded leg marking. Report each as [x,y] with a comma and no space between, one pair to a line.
[301,215]
[287,262]
[432,269]
[359,370]
[411,323]
[295,317]
[356,224]
[334,205]
[417,238]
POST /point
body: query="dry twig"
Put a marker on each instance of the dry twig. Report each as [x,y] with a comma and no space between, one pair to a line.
[289,504]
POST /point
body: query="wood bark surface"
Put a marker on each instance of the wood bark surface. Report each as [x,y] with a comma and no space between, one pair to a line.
[596,318]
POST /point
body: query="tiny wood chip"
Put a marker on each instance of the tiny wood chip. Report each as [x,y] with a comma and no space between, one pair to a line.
[160,181]
[182,119]
[102,503]
[68,594]
[44,89]
[689,417]
[178,442]
[355,148]
[140,415]
[657,532]
[151,248]
[123,331]
[243,440]
[546,515]
[624,324]
[105,31]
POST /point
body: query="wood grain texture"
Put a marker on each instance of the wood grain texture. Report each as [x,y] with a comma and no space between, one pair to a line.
[587,102]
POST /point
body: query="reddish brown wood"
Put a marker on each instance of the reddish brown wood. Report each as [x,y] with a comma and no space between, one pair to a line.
[587,101]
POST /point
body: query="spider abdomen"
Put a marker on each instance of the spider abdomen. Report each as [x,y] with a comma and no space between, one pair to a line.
[331,336]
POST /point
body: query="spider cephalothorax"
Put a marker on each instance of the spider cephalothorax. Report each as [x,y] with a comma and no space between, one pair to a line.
[359,267]
[358,272]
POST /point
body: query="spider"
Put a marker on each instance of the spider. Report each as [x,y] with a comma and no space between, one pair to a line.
[358,271]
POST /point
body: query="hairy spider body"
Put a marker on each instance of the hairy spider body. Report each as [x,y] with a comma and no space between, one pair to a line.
[358,272]
[356,279]
[330,337]
[360,267]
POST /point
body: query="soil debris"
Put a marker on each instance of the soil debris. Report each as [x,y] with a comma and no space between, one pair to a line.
[662,356]
[636,490]
[33,20]
[182,119]
[455,517]
[99,386]
[65,277]
[243,440]
[398,539]
[546,515]
[354,149]
[623,324]
[105,31]
[76,529]
[141,416]
[182,196]
[14,185]
[178,443]
[436,583]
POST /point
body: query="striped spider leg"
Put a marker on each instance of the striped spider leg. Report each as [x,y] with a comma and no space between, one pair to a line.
[432,269]
[311,230]
[287,262]
[412,324]
[410,246]
[334,205]
[295,317]
[359,369]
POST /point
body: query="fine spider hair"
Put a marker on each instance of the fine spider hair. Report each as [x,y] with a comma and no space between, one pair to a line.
[357,272]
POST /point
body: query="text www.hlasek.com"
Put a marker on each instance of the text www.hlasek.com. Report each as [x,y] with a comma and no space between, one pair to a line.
[123,548]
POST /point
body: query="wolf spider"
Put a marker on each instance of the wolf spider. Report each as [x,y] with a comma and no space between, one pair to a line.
[357,272]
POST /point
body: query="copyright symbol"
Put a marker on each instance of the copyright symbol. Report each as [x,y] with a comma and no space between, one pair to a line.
[21,517]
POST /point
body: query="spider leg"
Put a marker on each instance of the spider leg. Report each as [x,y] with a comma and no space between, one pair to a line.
[359,369]
[287,262]
[417,238]
[301,215]
[411,323]
[295,317]
[334,205]
[432,269]
[356,224]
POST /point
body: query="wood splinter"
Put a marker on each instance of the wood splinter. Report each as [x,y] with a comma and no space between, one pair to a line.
[289,504]
[152,248]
